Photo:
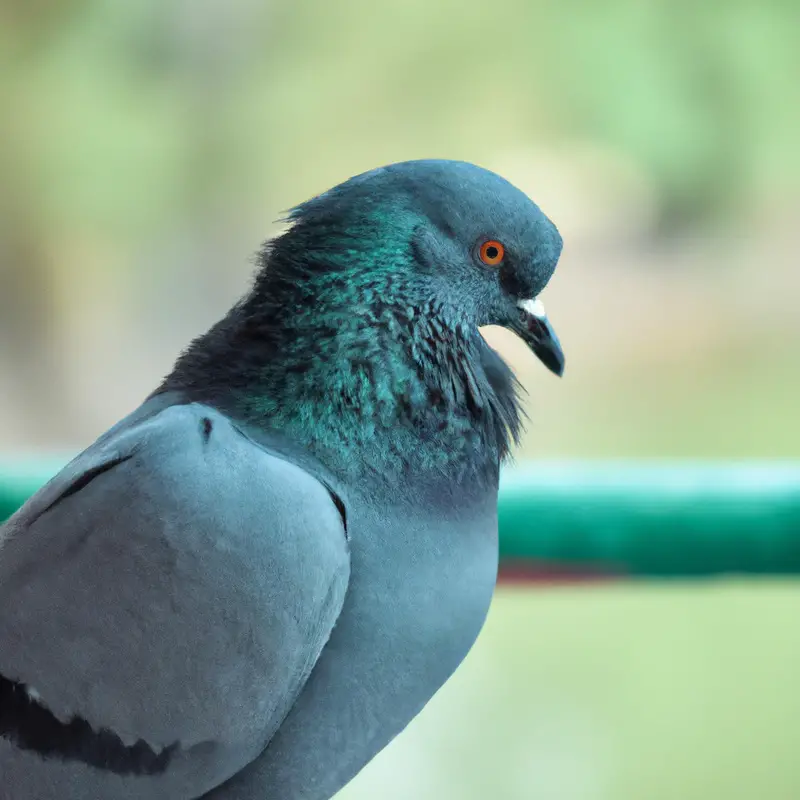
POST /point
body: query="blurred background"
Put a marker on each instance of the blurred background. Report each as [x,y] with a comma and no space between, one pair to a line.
[149,147]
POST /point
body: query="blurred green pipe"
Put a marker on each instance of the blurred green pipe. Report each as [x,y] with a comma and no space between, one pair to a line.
[651,520]
[604,519]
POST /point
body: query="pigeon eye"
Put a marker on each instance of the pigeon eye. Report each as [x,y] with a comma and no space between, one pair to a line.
[492,252]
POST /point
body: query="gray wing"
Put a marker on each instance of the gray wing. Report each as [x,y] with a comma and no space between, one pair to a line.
[162,603]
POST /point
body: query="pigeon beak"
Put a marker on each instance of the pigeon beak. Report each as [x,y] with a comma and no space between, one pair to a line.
[536,331]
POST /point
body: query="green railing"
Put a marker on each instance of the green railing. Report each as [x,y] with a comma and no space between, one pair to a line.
[670,520]
[606,519]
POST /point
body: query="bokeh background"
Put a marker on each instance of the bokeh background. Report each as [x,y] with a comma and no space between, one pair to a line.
[147,149]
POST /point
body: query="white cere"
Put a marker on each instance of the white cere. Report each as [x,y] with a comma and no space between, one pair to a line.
[533,307]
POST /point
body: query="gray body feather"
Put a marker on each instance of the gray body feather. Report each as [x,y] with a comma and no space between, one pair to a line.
[248,587]
[174,584]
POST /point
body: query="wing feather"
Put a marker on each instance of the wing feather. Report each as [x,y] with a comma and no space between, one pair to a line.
[171,589]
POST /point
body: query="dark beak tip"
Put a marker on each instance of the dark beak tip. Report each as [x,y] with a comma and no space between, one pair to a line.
[539,335]
[553,359]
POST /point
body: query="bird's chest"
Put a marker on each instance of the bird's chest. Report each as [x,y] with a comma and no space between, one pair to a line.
[420,589]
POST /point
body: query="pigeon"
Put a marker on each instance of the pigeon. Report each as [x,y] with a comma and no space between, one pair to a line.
[249,586]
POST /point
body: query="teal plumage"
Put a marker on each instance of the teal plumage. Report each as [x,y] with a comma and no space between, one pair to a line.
[363,317]
[250,585]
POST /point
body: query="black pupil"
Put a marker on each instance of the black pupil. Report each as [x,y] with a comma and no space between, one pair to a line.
[492,252]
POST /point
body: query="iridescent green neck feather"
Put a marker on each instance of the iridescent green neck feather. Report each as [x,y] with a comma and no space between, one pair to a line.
[348,345]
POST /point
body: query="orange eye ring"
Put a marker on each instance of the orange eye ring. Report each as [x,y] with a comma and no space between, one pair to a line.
[492,253]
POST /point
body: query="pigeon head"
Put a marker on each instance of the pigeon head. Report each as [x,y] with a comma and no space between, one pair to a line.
[360,339]
[455,234]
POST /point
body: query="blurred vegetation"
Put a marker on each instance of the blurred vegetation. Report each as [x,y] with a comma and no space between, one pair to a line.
[643,692]
[131,116]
